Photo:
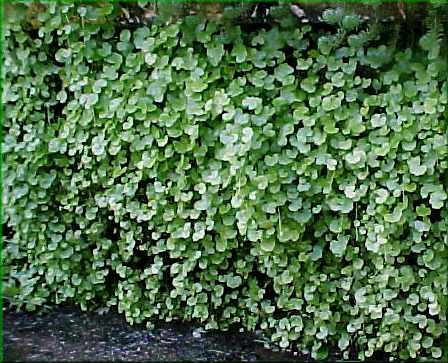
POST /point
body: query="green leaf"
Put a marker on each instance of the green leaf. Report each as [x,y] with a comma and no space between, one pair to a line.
[62,55]
[437,199]
[333,16]
[338,246]
[125,35]
[340,204]
[54,145]
[150,59]
[98,85]
[282,72]
[267,245]
[61,96]
[378,120]
[239,52]
[252,103]
[309,84]
[98,145]
[234,281]
[343,341]
[395,216]
[330,103]
[215,54]
[351,22]
[415,166]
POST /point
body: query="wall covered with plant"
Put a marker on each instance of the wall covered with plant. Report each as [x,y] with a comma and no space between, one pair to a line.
[288,178]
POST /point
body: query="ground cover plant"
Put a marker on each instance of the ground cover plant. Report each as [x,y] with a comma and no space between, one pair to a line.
[280,178]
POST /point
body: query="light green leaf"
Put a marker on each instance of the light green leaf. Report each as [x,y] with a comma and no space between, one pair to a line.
[215,54]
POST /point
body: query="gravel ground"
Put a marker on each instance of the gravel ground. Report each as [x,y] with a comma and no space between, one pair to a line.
[67,334]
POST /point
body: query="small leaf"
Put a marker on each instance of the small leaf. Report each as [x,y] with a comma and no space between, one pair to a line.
[98,145]
[415,167]
[267,245]
[239,52]
[338,246]
[252,103]
[437,199]
[215,54]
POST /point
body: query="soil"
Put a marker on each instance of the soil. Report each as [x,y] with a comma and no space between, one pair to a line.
[68,334]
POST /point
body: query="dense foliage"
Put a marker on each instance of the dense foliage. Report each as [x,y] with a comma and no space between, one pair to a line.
[283,178]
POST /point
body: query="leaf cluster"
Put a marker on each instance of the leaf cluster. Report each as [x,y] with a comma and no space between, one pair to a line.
[280,179]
